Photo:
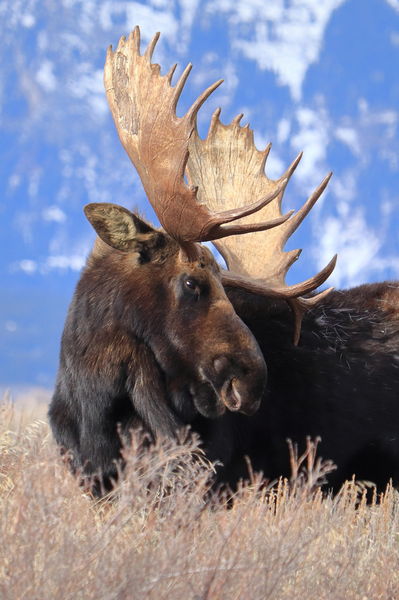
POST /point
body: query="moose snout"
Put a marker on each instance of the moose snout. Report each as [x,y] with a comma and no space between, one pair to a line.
[241,386]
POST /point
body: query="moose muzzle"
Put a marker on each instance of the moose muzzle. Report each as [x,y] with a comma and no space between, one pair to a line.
[240,383]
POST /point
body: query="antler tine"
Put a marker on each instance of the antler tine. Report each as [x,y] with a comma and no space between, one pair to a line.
[307,207]
[171,72]
[178,88]
[307,286]
[287,292]
[192,112]
[237,213]
[151,46]
[237,119]
[134,37]
[228,230]
[265,155]
[300,306]
[287,175]
[214,122]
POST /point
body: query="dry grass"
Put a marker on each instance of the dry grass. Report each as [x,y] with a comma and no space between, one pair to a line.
[158,538]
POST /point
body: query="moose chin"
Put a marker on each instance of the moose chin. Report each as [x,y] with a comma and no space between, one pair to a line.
[159,336]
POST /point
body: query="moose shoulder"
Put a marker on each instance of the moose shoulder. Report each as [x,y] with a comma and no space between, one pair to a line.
[159,336]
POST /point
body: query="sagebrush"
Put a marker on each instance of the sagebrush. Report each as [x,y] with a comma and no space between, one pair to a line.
[163,534]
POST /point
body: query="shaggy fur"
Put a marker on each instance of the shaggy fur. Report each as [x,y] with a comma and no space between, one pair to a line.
[340,383]
[150,341]
[140,348]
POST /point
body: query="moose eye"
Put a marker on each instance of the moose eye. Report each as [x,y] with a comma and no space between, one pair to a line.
[191,285]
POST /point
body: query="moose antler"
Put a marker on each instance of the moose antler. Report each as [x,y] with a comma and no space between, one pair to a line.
[224,169]
[143,104]
[226,166]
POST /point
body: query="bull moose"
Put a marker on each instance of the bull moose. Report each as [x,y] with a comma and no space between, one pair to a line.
[159,336]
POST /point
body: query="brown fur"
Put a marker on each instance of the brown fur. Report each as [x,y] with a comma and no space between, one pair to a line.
[150,338]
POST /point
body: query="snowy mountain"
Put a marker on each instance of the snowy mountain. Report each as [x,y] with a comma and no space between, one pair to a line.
[321,77]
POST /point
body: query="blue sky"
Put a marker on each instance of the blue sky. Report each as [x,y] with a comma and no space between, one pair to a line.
[322,77]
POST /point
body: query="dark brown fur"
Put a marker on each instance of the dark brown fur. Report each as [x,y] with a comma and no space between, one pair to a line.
[141,347]
[340,383]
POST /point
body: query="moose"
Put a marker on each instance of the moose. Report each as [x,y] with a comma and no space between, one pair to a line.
[159,336]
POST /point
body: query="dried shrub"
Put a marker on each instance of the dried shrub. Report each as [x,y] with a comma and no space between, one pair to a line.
[162,534]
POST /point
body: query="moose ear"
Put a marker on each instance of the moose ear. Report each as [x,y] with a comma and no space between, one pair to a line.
[116,225]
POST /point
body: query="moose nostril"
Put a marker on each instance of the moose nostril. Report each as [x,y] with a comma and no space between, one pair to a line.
[220,364]
[231,396]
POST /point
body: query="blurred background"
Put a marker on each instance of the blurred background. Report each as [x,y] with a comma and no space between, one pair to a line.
[322,77]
